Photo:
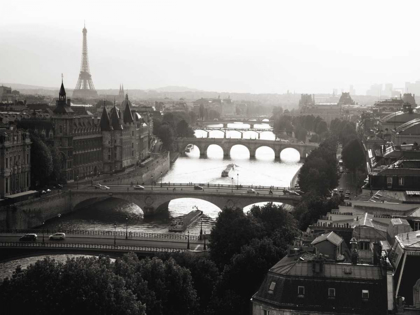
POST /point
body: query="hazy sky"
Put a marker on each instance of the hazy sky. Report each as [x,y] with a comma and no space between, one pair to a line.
[232,46]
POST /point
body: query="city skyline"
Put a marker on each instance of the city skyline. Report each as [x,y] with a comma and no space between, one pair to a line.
[237,47]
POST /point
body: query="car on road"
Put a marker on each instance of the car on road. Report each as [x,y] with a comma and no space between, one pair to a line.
[251,191]
[59,186]
[97,186]
[340,190]
[104,187]
[347,192]
[31,237]
[138,187]
[58,236]
[197,187]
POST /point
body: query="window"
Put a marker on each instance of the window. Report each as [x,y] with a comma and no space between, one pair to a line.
[389,180]
[401,181]
[416,225]
[363,245]
[7,162]
[301,291]
[365,294]
[272,287]
[266,312]
[331,293]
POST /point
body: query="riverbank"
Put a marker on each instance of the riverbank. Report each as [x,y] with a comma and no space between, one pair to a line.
[295,178]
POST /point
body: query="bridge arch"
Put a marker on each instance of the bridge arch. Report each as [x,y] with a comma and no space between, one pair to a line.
[195,146]
[240,146]
[267,149]
[195,201]
[296,150]
[94,200]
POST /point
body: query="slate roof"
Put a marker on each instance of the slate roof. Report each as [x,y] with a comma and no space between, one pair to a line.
[127,116]
[105,122]
[408,124]
[295,266]
[331,237]
[115,118]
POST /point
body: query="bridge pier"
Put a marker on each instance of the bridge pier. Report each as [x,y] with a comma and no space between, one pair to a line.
[225,125]
[251,126]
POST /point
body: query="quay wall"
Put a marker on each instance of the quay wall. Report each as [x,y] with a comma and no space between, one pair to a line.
[142,175]
[34,212]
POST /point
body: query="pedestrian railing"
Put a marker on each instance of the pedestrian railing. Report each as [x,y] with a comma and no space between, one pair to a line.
[90,246]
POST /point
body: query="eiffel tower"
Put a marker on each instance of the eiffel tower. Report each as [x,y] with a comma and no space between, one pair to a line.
[84,87]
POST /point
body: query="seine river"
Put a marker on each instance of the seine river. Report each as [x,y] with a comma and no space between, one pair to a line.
[262,170]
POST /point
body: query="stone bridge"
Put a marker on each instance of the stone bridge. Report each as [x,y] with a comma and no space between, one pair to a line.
[31,213]
[153,202]
[225,122]
[251,144]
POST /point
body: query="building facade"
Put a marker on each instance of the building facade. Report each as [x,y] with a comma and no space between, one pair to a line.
[15,160]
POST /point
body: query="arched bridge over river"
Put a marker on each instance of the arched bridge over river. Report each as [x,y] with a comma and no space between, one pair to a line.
[152,200]
[157,200]
[251,144]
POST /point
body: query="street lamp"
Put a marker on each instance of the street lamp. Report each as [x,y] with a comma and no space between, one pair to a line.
[152,182]
[237,181]
[59,216]
[115,234]
[160,179]
[43,232]
[77,181]
[205,245]
[201,230]
[232,184]
[188,243]
[126,228]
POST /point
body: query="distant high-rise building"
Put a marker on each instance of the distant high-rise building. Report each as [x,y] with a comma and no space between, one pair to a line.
[412,87]
[352,91]
[388,90]
[375,90]
[84,87]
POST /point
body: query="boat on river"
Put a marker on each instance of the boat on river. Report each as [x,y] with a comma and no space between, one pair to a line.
[180,224]
[226,171]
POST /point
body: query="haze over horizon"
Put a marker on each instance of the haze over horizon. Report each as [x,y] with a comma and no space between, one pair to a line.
[225,46]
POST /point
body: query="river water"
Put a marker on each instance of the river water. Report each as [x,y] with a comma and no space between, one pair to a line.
[262,170]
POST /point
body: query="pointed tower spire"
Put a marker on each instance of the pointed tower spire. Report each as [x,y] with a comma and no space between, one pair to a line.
[128,117]
[105,123]
[115,118]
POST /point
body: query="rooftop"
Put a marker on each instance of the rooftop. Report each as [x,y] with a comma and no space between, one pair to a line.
[331,237]
[301,265]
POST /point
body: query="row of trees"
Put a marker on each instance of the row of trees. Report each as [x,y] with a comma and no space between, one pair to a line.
[172,125]
[301,126]
[317,177]
[242,249]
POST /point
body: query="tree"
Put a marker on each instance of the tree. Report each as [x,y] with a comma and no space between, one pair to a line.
[201,111]
[353,155]
[232,230]
[184,130]
[80,286]
[41,161]
[163,286]
[58,172]
[166,134]
[300,134]
[204,273]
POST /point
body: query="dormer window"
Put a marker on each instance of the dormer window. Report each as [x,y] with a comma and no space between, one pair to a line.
[272,287]
[365,295]
[301,291]
[331,293]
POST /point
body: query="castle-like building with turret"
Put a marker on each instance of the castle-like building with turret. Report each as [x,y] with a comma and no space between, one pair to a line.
[90,145]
